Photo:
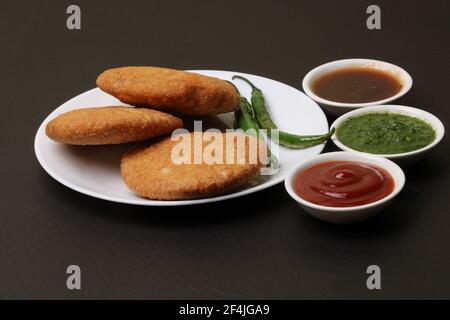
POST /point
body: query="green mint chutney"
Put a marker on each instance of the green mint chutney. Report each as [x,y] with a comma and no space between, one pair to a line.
[385,133]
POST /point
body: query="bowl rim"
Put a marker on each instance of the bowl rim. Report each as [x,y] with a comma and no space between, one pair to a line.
[423,115]
[406,80]
[391,167]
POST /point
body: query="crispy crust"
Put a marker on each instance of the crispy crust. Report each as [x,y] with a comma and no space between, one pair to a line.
[151,173]
[169,90]
[110,125]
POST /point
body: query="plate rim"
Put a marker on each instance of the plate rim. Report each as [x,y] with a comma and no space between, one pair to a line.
[162,203]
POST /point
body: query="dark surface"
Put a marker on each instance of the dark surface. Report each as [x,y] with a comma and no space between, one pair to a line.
[259,246]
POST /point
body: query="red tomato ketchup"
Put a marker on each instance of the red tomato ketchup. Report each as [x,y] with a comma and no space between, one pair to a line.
[343,184]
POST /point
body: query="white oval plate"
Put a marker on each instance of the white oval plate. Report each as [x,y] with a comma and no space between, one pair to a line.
[95,170]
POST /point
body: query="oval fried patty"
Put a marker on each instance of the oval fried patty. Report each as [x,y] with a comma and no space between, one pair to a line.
[152,170]
[169,90]
[110,125]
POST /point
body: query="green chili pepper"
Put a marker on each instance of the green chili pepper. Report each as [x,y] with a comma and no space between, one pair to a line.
[265,122]
[259,106]
[245,120]
[299,142]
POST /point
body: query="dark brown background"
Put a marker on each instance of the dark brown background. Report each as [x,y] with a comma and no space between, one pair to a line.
[259,246]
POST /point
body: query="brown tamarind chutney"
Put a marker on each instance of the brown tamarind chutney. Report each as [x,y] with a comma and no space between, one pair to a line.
[356,85]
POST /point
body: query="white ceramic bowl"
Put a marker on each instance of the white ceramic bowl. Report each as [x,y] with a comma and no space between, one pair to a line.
[343,215]
[405,157]
[338,108]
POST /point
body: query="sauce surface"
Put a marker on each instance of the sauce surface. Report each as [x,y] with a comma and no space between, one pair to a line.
[385,133]
[343,184]
[356,85]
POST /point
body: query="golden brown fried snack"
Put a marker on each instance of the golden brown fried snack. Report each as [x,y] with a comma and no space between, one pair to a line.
[169,90]
[110,125]
[152,170]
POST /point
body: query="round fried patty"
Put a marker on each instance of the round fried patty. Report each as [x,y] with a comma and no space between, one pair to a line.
[110,125]
[169,90]
[154,171]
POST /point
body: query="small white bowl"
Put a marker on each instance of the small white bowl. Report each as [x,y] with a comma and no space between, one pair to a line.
[338,108]
[405,157]
[343,215]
